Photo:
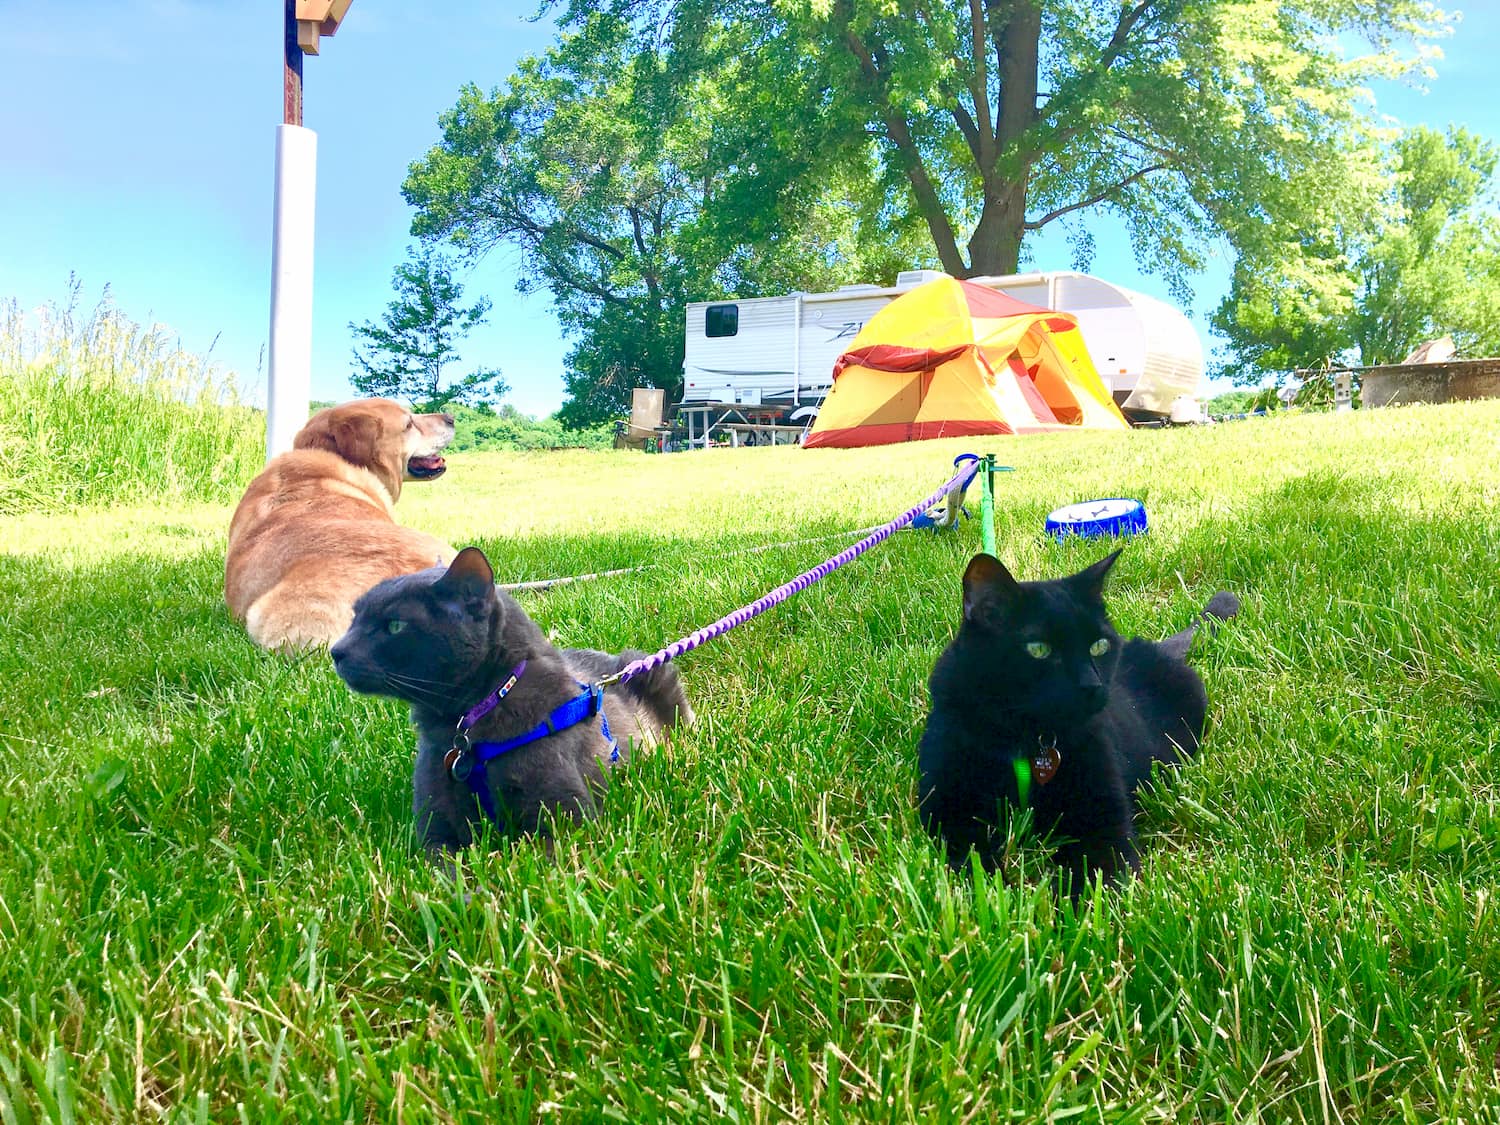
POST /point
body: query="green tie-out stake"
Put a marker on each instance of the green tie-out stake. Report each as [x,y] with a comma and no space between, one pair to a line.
[987,471]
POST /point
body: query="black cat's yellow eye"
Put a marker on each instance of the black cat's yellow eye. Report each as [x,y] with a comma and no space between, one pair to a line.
[1039,649]
[1099,647]
[394,626]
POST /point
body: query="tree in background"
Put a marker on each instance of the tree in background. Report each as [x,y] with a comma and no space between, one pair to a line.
[1233,119]
[1433,268]
[671,150]
[638,176]
[1424,264]
[405,355]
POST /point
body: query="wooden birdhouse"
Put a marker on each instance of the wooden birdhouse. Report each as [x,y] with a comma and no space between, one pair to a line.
[317,18]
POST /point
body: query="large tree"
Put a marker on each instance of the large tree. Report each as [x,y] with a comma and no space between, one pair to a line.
[634,177]
[667,150]
[408,353]
[1425,263]
[1191,120]
[1433,267]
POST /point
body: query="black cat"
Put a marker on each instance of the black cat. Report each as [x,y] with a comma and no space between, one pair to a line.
[1039,702]
[480,675]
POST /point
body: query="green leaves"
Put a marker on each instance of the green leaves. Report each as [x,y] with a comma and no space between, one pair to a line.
[662,153]
[406,353]
[1434,269]
[639,169]
[1422,261]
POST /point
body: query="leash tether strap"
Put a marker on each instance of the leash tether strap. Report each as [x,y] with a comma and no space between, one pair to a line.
[960,480]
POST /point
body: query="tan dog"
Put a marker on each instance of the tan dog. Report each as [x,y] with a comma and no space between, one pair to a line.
[315,529]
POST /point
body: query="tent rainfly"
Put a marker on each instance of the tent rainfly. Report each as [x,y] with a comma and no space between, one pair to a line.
[950,359]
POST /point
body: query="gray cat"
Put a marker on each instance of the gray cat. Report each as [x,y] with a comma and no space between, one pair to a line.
[508,726]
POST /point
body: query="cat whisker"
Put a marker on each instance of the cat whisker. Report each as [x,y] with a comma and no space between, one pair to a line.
[417,688]
[409,678]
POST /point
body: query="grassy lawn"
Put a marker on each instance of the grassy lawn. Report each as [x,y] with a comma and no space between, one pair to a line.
[211,907]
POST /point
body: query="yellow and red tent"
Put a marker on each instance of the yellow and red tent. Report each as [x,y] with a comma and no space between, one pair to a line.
[951,358]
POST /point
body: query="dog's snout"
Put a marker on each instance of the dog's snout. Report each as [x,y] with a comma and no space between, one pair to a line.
[447,419]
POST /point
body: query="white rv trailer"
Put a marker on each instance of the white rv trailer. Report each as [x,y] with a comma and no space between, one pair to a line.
[779,351]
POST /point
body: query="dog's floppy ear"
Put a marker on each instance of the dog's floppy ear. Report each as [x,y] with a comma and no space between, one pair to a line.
[469,575]
[317,433]
[986,579]
[354,432]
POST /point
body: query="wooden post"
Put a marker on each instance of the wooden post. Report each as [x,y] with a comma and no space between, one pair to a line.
[291,69]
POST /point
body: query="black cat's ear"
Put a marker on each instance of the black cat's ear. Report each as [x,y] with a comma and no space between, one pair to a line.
[468,575]
[985,578]
[1092,578]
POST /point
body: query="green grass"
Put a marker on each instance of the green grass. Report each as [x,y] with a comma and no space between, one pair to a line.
[95,408]
[211,907]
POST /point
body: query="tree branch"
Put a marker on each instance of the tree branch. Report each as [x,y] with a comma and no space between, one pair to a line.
[973,133]
[928,200]
[1119,40]
[1098,197]
[1129,17]
[979,88]
[969,129]
[563,271]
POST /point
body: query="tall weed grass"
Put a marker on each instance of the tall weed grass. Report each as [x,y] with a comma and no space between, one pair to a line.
[95,409]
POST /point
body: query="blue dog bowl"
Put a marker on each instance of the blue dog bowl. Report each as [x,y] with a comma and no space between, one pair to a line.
[1113,516]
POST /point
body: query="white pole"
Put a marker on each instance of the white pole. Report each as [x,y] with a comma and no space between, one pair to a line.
[290,389]
[796,353]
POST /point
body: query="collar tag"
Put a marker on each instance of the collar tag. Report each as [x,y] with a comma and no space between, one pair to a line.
[460,762]
[1045,761]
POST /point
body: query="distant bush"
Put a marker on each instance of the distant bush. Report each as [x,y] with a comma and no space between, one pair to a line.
[507,428]
[1231,402]
[1264,399]
[96,410]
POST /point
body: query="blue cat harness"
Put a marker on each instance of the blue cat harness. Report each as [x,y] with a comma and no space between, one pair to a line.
[466,760]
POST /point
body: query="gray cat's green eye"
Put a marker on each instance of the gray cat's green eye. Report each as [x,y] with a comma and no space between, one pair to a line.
[394,626]
[1099,647]
[1039,649]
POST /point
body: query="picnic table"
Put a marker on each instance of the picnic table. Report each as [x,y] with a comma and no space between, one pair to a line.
[743,423]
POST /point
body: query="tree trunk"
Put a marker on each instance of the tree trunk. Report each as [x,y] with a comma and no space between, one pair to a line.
[1016,31]
[995,247]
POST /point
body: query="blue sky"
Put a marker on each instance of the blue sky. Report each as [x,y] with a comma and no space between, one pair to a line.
[138,141]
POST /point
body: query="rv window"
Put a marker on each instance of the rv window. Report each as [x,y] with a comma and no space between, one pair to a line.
[721,320]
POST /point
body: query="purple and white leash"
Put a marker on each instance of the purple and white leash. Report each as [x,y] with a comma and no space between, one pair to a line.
[960,481]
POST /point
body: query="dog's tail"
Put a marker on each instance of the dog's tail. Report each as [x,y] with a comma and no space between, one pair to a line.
[1220,608]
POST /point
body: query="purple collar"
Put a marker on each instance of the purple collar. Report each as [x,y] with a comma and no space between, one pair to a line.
[491,701]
